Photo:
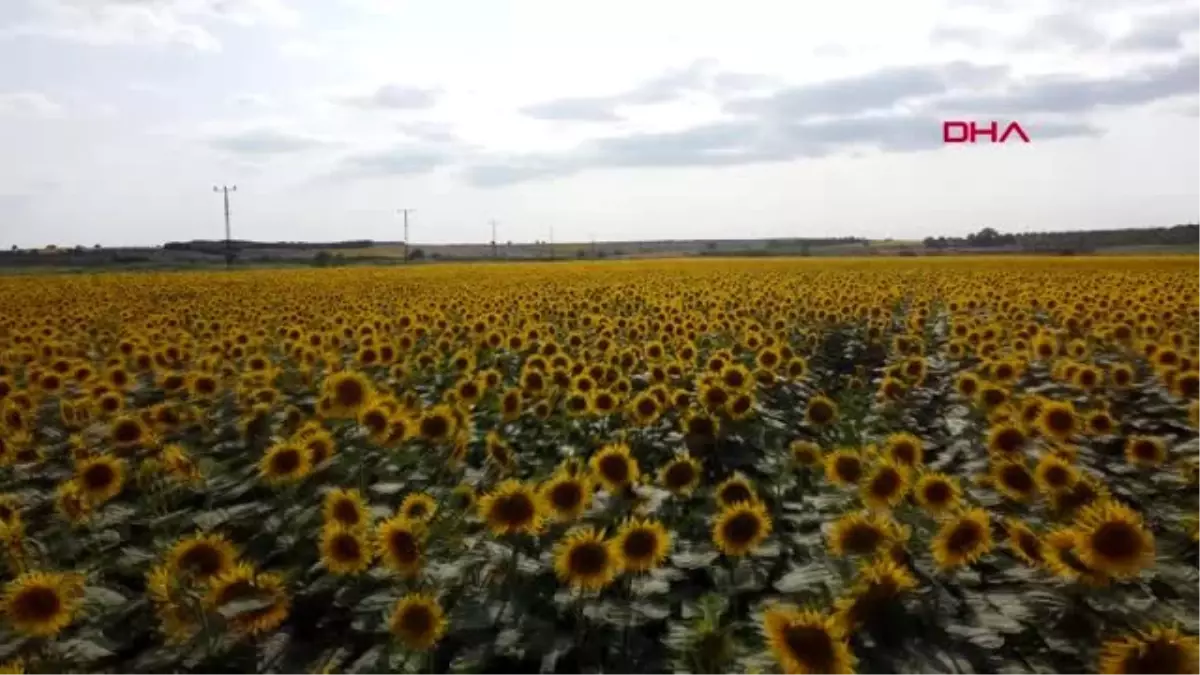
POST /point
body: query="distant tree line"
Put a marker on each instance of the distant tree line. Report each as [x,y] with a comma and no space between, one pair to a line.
[218,246]
[1078,242]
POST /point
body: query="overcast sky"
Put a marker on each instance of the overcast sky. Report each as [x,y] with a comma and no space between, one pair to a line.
[616,120]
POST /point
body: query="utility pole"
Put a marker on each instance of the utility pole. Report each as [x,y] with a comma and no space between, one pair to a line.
[593,246]
[552,241]
[226,189]
[406,212]
[493,238]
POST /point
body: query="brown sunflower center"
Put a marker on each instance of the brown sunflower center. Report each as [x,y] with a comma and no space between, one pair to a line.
[566,495]
[936,492]
[403,545]
[1117,541]
[99,476]
[885,483]
[285,461]
[861,538]
[514,510]
[639,544]
[127,431]
[38,603]
[701,426]
[1017,478]
[588,558]
[1156,657]
[742,528]
[1145,450]
[416,620]
[434,426]
[680,475]
[820,412]
[1056,476]
[345,511]
[203,559]
[848,469]
[614,468]
[964,537]
[1060,421]
[349,393]
[904,452]
[812,646]
[735,492]
[345,548]
[1029,545]
[416,510]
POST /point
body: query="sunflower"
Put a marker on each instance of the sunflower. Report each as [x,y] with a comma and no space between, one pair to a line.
[399,544]
[242,583]
[963,539]
[1145,451]
[512,508]
[201,556]
[1113,540]
[877,584]
[1024,543]
[376,419]
[735,489]
[1061,553]
[805,454]
[346,507]
[884,486]
[72,503]
[821,411]
[904,449]
[100,478]
[641,544]
[1014,480]
[967,385]
[700,424]
[1054,474]
[937,493]
[418,507]
[806,641]
[740,528]
[1100,423]
[10,510]
[1158,649]
[1086,491]
[345,551]
[284,463]
[417,621]
[1005,440]
[42,604]
[128,431]
[863,534]
[681,475]
[614,467]
[583,559]
[1058,420]
[437,424]
[566,496]
[348,393]
[843,467]
[463,497]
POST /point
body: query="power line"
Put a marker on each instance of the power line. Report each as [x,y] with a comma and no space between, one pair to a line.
[406,212]
[226,189]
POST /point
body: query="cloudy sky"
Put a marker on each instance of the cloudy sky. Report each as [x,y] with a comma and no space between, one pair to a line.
[616,120]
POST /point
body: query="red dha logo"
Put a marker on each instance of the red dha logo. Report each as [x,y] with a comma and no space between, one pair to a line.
[967,132]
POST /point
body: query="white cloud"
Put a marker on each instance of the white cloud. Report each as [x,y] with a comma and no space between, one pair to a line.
[28,104]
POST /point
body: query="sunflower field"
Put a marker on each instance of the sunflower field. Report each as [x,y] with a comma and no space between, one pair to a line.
[804,466]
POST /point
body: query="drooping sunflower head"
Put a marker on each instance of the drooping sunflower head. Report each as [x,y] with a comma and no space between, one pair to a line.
[805,454]
[615,467]
[963,539]
[566,496]
[42,604]
[1145,451]
[243,583]
[583,559]
[885,485]
[806,641]
[904,449]
[641,544]
[863,534]
[1024,542]
[1061,553]
[735,489]
[418,621]
[202,556]
[345,551]
[1158,649]
[1112,539]
[740,528]
[419,507]
[844,467]
[821,411]
[878,584]
[345,506]
[1086,491]
[285,463]
[463,497]
[399,543]
[937,493]
[512,508]
[681,475]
